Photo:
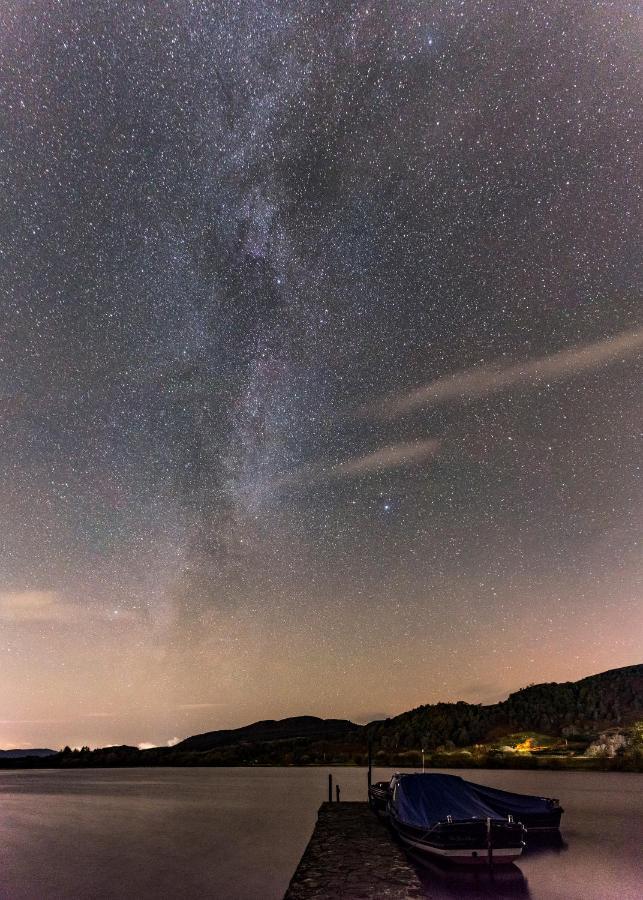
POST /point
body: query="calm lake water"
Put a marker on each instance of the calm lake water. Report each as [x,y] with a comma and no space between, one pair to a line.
[237,834]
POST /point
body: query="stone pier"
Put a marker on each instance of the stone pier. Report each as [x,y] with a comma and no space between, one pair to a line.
[351,856]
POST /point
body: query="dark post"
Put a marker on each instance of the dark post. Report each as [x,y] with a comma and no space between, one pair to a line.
[370,760]
[330,788]
[337,792]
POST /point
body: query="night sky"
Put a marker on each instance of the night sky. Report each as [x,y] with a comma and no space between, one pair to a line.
[319,332]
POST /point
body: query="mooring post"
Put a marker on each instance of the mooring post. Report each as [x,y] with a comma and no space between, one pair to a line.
[337,792]
[330,788]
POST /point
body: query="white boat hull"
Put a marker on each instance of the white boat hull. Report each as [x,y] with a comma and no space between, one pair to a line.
[475,856]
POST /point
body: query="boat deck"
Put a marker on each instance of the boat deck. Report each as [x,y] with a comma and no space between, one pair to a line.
[352,856]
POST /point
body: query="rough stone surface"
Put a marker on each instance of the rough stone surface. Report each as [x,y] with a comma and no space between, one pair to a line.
[351,856]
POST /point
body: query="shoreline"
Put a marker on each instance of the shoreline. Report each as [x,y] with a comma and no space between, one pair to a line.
[588,765]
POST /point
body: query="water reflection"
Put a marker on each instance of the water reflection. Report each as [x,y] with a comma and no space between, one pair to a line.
[542,842]
[238,834]
[441,880]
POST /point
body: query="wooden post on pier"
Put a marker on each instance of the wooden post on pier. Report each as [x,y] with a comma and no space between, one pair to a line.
[330,788]
[337,792]
[370,760]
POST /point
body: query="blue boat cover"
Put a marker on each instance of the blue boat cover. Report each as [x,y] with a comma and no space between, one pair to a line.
[506,802]
[424,800]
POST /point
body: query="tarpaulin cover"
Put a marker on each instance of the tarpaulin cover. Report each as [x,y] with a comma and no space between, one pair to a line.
[504,802]
[425,800]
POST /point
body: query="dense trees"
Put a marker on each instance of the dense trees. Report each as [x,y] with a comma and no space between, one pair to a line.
[599,701]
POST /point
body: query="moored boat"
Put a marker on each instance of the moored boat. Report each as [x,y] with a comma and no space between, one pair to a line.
[440,816]
[535,813]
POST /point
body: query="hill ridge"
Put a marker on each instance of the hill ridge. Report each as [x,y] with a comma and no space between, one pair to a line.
[269,730]
[610,698]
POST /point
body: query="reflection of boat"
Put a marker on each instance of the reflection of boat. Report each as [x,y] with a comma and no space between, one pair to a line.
[441,879]
[441,816]
[543,841]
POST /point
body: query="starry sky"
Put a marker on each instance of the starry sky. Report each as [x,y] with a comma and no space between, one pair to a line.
[319,344]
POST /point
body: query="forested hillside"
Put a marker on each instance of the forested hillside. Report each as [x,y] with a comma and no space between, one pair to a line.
[610,699]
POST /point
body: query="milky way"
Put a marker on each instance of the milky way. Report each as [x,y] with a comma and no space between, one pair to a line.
[320,326]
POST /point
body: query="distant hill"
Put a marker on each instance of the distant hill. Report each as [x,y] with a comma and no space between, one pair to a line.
[309,727]
[564,723]
[19,754]
[607,700]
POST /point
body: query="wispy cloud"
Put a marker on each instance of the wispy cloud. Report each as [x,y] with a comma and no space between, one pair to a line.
[35,606]
[171,742]
[197,705]
[392,456]
[483,381]
[34,721]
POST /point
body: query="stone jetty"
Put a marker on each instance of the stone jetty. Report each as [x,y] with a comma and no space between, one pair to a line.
[351,856]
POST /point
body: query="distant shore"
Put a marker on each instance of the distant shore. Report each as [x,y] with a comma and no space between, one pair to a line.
[96,760]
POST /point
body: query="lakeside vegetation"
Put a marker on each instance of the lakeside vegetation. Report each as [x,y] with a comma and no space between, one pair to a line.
[583,753]
[300,752]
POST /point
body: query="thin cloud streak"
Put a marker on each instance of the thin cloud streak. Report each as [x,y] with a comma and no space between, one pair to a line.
[197,705]
[484,381]
[393,456]
[147,745]
[35,606]
[35,721]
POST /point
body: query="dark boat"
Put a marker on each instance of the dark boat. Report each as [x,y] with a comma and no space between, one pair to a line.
[378,795]
[440,815]
[535,813]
